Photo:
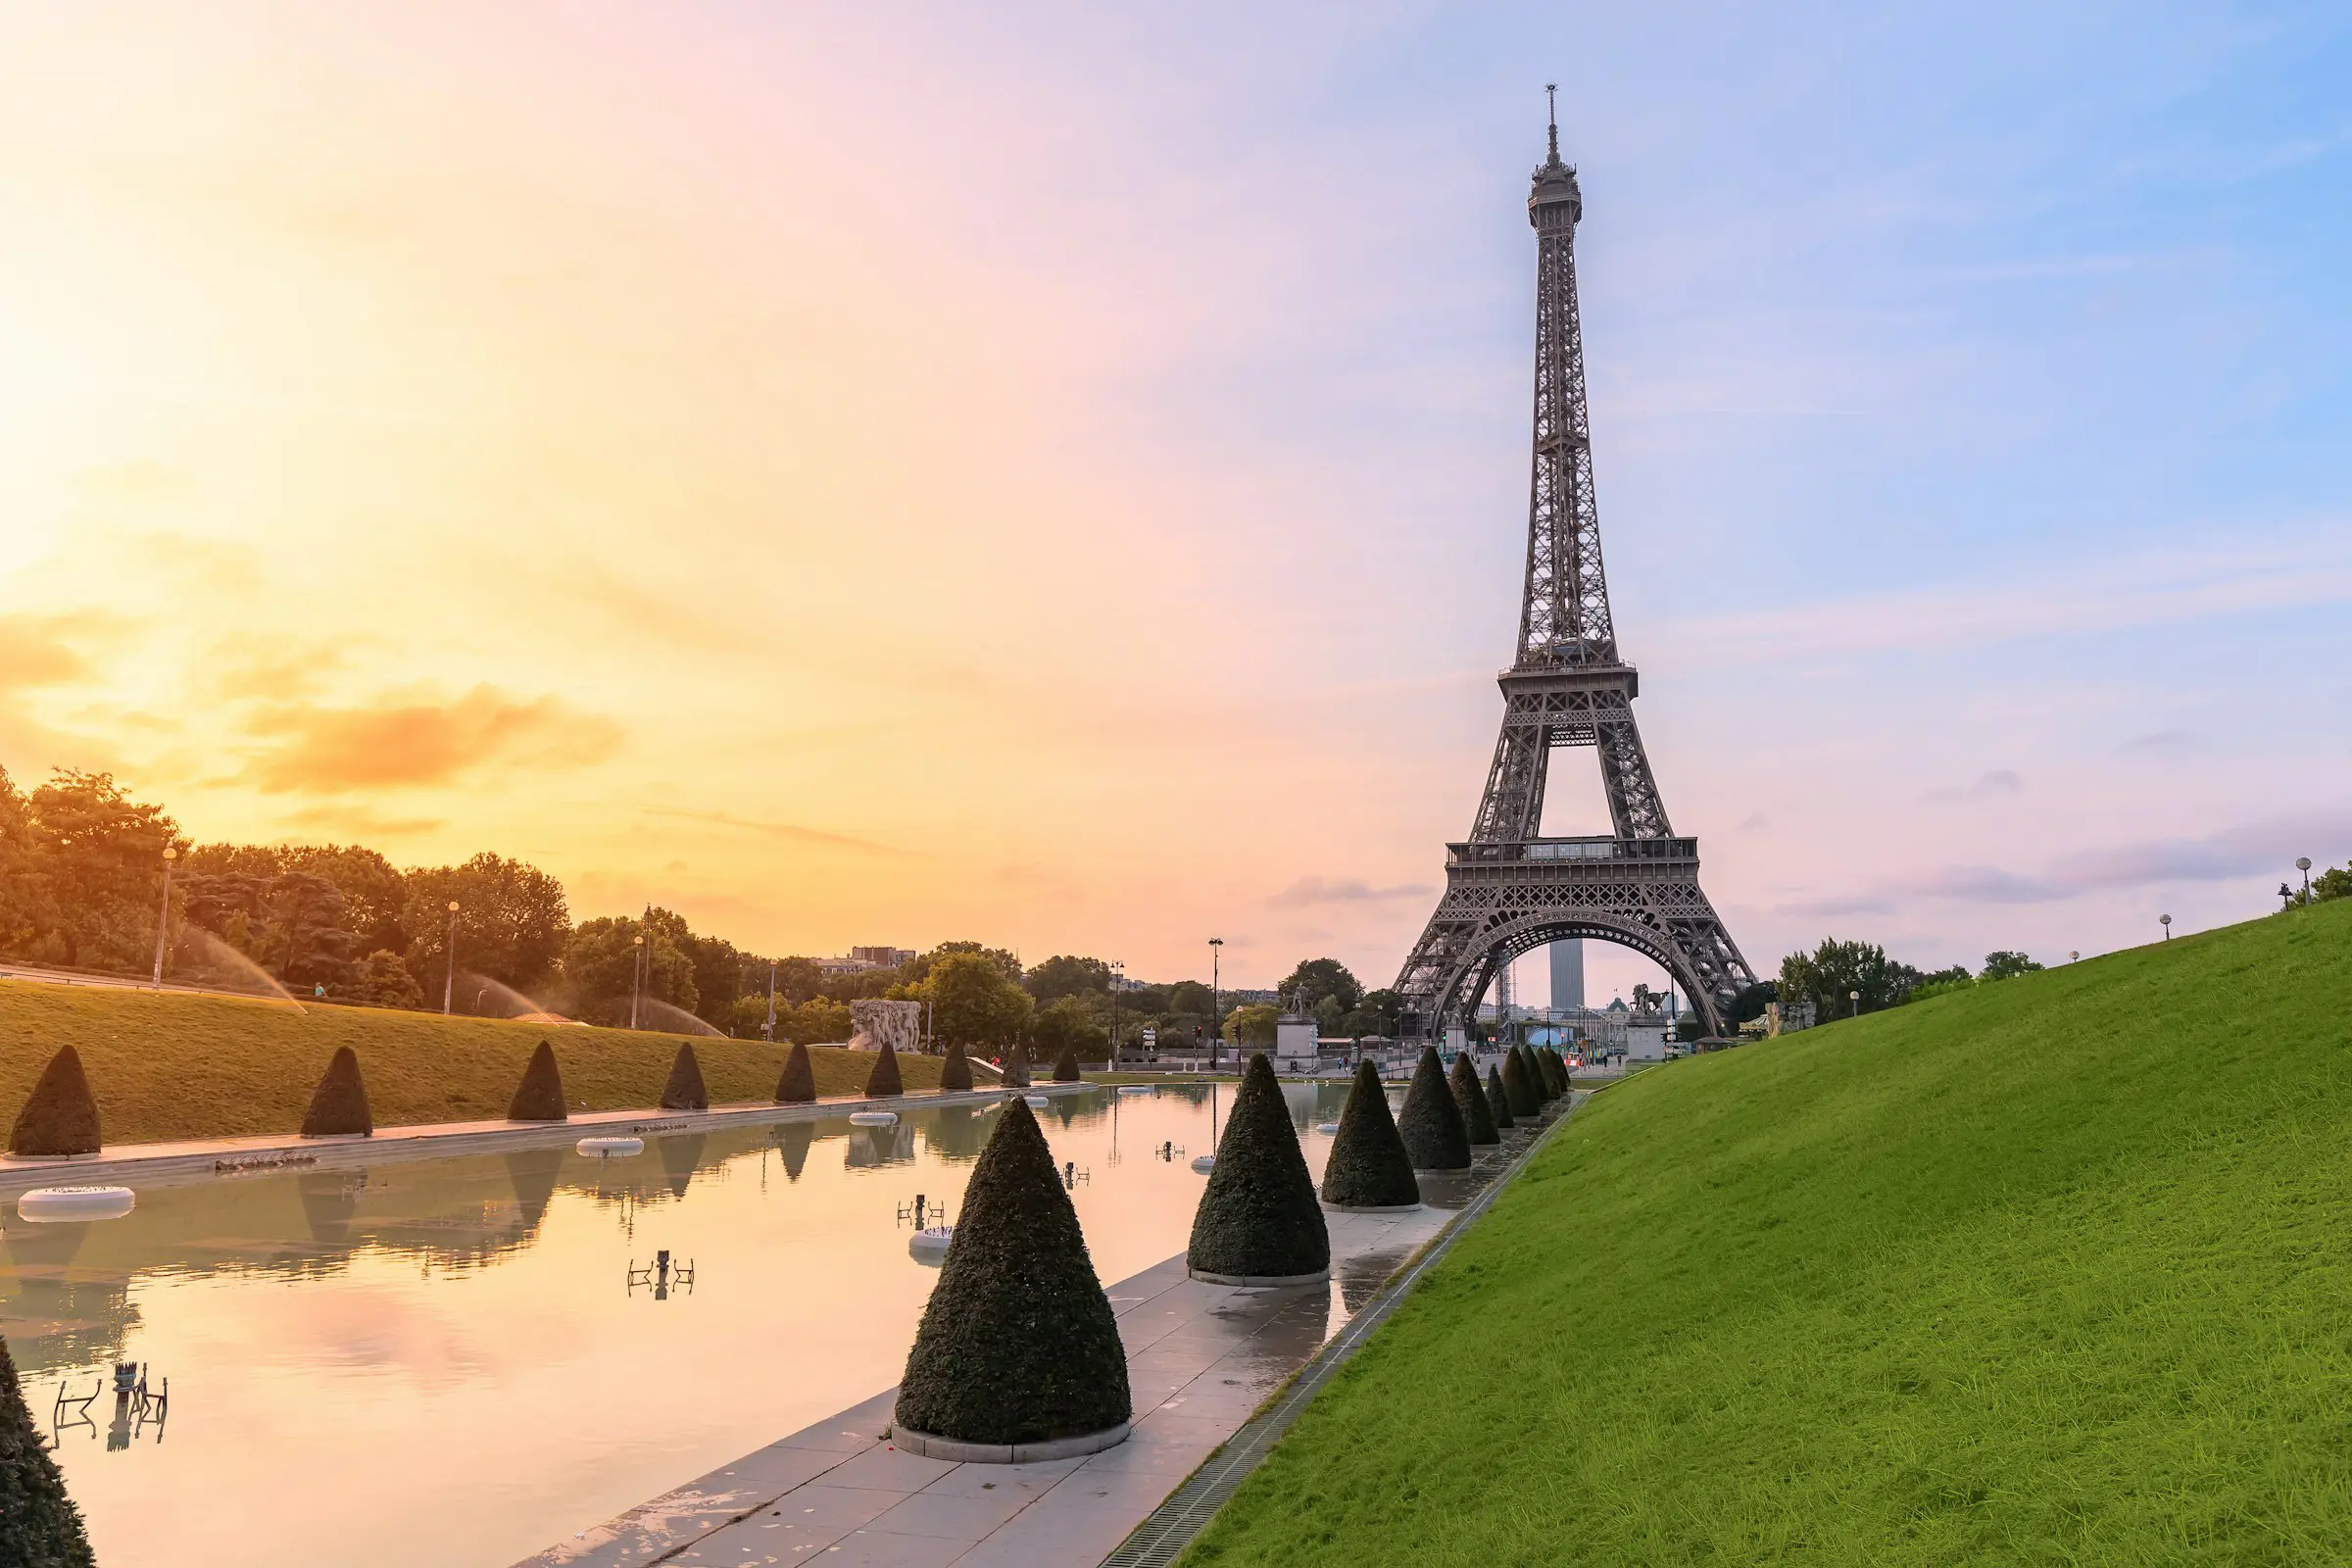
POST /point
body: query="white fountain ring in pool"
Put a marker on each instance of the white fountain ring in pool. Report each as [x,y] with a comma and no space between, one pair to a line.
[930,1245]
[49,1205]
[1037,1101]
[1204,1164]
[1136,1089]
[1329,1129]
[605,1148]
[873,1118]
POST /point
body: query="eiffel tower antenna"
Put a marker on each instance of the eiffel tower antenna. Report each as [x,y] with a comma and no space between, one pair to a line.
[1508,889]
[1551,97]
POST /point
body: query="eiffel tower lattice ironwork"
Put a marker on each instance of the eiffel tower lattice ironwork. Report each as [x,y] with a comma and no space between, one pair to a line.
[1508,889]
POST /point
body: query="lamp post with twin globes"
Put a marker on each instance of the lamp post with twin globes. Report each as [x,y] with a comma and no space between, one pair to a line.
[2303,864]
[449,980]
[163,918]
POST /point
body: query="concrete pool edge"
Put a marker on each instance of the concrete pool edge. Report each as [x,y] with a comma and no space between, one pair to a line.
[168,1165]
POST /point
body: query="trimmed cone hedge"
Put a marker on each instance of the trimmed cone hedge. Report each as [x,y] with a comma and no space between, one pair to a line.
[1430,1122]
[38,1522]
[1017,1068]
[956,1073]
[1499,1099]
[59,1118]
[339,1104]
[685,1090]
[1559,1070]
[796,1086]
[1065,1067]
[540,1095]
[883,1082]
[1018,1343]
[1259,1217]
[1519,1082]
[1556,1071]
[1470,1099]
[1369,1165]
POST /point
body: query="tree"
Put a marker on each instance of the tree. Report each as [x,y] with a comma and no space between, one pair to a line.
[1068,1026]
[1829,975]
[600,965]
[82,866]
[956,1073]
[513,922]
[1330,1017]
[374,893]
[1188,996]
[1470,1098]
[918,969]
[1317,978]
[1385,1004]
[685,1090]
[1063,976]
[2334,883]
[796,1086]
[2007,965]
[1018,1343]
[883,1082]
[1252,1025]
[540,1095]
[974,1003]
[382,980]
[1431,1123]
[339,1104]
[60,1117]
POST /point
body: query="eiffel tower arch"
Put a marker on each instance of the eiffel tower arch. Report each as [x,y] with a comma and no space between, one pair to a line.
[1508,889]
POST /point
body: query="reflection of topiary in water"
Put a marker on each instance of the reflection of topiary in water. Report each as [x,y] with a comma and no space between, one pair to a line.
[685,1090]
[1519,1082]
[1369,1166]
[793,1140]
[339,1104]
[1470,1098]
[1431,1123]
[796,1086]
[1065,1067]
[1016,1067]
[883,1081]
[39,1526]
[1259,1217]
[1018,1343]
[540,1095]
[59,1118]
[1499,1099]
[956,1073]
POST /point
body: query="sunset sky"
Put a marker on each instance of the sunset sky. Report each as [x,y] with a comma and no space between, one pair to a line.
[1056,474]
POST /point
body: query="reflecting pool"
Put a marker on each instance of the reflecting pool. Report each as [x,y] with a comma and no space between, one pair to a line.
[463,1360]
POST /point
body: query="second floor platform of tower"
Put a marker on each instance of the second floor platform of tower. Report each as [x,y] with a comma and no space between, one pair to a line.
[1599,850]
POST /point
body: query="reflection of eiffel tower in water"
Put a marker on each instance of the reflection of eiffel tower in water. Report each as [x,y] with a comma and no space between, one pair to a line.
[1508,888]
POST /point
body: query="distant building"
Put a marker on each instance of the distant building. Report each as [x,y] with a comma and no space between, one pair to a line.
[864,960]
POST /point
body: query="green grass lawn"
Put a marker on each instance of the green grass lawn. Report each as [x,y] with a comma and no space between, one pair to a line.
[188,1066]
[2053,1271]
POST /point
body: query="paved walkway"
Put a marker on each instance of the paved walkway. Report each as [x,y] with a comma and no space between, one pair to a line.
[1200,1359]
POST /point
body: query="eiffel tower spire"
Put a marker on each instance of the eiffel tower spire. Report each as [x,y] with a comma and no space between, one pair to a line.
[1508,889]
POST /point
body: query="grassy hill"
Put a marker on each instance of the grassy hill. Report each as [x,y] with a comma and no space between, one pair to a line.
[186,1066]
[2057,1270]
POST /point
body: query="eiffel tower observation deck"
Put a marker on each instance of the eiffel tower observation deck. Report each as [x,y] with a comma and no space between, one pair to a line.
[1508,889]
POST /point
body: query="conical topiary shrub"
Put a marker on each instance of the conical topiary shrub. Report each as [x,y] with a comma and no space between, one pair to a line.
[1016,1067]
[1470,1098]
[1019,1345]
[540,1095]
[1556,1071]
[883,1081]
[1533,1074]
[1519,1082]
[1431,1123]
[1065,1067]
[59,1118]
[1498,1099]
[797,1084]
[1258,1219]
[339,1104]
[38,1522]
[1369,1165]
[685,1090]
[956,1073]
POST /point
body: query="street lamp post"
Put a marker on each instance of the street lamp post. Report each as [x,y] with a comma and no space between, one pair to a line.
[2303,864]
[2168,926]
[768,1030]
[163,918]
[1217,1035]
[1118,967]
[636,974]
[449,978]
[1855,996]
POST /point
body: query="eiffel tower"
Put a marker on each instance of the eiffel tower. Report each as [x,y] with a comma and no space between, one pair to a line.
[1508,889]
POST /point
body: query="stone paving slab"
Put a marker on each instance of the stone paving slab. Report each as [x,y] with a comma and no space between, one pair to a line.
[1201,1359]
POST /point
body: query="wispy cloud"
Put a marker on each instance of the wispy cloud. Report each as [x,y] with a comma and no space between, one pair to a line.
[1995,781]
[403,741]
[1310,891]
[790,831]
[2161,742]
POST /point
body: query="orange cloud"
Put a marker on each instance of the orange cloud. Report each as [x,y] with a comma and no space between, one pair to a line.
[32,654]
[405,743]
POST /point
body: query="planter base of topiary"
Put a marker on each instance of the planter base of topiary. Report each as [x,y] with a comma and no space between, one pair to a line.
[1265,1282]
[1373,1208]
[1443,1170]
[955,1451]
[336,1138]
[47,1159]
